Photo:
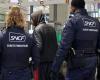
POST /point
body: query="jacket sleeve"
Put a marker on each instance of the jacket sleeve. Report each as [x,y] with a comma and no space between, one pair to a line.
[38,38]
[35,54]
[66,42]
[98,43]
[98,49]
[1,35]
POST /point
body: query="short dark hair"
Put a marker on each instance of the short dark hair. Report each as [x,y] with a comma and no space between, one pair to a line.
[78,3]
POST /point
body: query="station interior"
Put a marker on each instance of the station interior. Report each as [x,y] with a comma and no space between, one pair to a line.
[56,13]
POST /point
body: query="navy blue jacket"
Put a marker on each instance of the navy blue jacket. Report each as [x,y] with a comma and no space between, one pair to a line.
[80,32]
[16,46]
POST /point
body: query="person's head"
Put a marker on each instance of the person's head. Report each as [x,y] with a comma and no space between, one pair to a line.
[77,4]
[15,17]
[37,17]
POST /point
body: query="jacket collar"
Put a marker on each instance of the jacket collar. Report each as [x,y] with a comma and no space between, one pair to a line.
[15,27]
[82,12]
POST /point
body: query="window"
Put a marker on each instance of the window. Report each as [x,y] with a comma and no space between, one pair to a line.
[93,10]
[2,17]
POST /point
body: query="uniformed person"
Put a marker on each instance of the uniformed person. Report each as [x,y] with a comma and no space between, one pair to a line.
[81,34]
[45,36]
[16,46]
[98,63]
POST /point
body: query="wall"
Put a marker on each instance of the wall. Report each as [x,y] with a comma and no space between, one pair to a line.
[62,13]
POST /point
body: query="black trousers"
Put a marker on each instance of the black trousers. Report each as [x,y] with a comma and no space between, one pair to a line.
[16,74]
[45,69]
[81,68]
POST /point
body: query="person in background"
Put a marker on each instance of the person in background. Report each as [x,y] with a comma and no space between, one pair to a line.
[16,47]
[81,33]
[45,35]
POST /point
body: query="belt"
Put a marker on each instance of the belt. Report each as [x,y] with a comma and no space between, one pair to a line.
[85,52]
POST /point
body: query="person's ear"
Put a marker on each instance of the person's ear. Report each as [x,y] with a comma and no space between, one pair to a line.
[73,9]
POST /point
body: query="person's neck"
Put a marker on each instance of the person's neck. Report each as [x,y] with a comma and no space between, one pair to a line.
[77,10]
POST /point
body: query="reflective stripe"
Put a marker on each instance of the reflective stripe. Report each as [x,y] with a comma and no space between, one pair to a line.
[73,50]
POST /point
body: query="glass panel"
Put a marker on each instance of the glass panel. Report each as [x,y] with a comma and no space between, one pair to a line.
[93,9]
[28,18]
[99,12]
[93,15]
[2,17]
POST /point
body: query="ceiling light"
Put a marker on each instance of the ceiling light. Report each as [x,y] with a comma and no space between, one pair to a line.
[14,1]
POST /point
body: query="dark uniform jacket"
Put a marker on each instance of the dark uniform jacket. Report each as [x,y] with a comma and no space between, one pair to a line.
[81,32]
[16,46]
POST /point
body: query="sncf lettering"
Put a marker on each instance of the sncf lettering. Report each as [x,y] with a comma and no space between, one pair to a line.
[88,22]
[16,37]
